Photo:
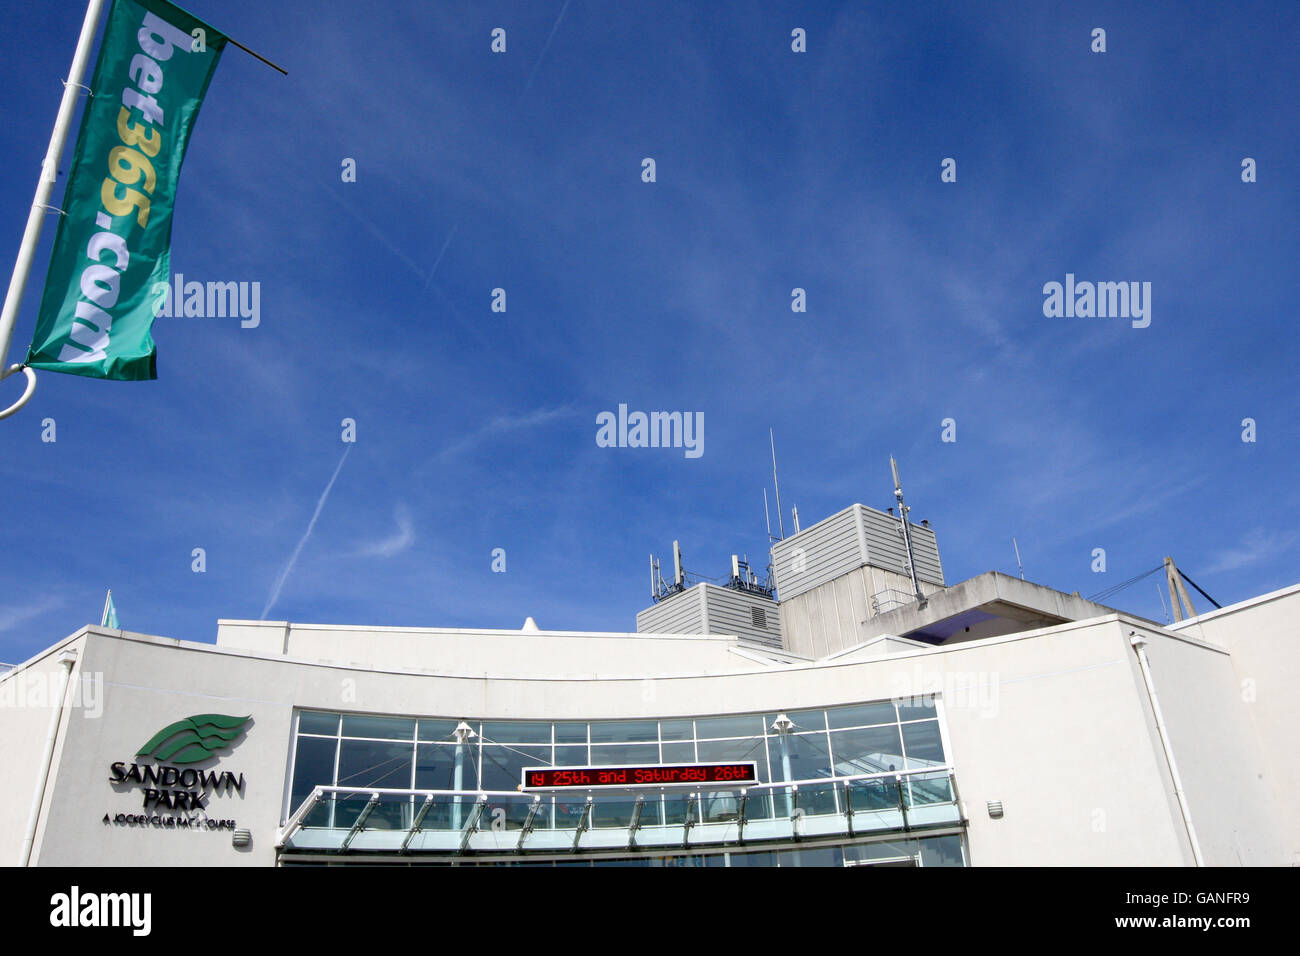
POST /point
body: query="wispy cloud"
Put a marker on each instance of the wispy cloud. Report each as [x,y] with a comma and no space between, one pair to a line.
[15,615]
[503,425]
[442,252]
[396,543]
[293,559]
[1259,546]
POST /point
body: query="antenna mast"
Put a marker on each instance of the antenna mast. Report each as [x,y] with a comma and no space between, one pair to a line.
[1018,564]
[775,484]
[907,532]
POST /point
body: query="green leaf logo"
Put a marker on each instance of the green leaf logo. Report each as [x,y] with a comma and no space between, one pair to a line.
[194,738]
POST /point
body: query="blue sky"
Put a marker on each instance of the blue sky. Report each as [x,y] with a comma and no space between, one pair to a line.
[775,170]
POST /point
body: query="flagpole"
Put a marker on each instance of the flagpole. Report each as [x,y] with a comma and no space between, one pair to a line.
[103,618]
[40,205]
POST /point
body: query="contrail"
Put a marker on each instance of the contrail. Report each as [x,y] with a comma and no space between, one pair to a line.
[284,575]
[440,255]
[546,46]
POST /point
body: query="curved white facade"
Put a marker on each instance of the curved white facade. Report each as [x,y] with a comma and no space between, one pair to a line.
[1057,725]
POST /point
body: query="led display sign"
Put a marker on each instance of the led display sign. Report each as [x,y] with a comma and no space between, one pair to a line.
[656,775]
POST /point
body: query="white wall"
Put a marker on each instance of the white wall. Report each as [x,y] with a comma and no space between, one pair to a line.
[1068,750]
[828,618]
[28,698]
[1216,750]
[1059,733]
[1263,637]
[442,650]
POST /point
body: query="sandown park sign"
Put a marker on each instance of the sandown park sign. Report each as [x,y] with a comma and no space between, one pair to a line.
[193,739]
[163,768]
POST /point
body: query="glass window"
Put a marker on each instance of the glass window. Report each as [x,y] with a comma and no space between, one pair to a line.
[676,729]
[804,720]
[678,752]
[389,728]
[516,731]
[877,854]
[624,731]
[883,793]
[720,806]
[503,766]
[871,750]
[726,751]
[312,723]
[390,813]
[613,810]
[398,753]
[929,788]
[570,733]
[809,756]
[941,851]
[918,708]
[677,861]
[313,766]
[569,808]
[812,856]
[509,813]
[373,763]
[924,745]
[615,754]
[862,715]
[437,729]
[677,805]
[571,757]
[435,767]
[651,811]
[819,799]
[623,862]
[747,726]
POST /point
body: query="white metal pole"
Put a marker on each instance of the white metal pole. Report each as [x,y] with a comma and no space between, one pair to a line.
[457,781]
[66,660]
[45,185]
[1139,645]
[780,519]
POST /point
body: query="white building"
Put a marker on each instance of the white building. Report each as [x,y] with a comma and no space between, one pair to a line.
[996,723]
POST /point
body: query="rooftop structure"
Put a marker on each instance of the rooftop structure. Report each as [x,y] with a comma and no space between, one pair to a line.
[991,722]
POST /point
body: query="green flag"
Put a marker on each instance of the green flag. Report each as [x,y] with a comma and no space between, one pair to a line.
[111,263]
[110,614]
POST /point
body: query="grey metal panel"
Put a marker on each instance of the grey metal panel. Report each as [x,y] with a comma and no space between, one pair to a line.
[677,614]
[833,547]
[817,554]
[729,612]
[795,628]
[885,547]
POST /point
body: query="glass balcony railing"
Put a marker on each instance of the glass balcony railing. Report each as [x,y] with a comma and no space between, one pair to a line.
[352,819]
